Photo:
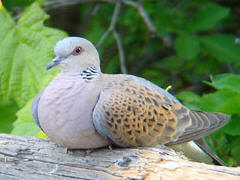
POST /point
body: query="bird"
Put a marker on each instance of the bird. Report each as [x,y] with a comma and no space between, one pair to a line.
[83,108]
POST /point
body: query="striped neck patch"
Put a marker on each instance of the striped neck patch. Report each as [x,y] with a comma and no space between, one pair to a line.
[89,74]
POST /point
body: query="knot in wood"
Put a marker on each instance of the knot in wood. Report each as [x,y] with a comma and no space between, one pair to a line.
[124,162]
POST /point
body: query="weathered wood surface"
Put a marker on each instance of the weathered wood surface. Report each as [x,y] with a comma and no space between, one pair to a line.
[33,158]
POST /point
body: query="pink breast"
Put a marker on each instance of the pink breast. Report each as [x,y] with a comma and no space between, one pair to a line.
[65,113]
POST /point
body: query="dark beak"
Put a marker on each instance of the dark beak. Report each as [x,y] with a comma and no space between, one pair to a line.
[54,62]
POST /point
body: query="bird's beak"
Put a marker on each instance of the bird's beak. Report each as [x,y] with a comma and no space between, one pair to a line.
[54,62]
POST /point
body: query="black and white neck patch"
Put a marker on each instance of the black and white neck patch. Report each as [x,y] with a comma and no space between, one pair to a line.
[89,74]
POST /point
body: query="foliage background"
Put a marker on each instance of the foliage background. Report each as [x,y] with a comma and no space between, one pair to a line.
[195,49]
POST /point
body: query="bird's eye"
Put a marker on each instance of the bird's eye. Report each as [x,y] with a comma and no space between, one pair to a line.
[77,51]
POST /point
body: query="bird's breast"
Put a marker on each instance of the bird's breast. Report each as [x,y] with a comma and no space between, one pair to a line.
[65,112]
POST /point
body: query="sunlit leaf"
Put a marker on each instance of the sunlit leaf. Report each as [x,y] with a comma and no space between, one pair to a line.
[226,81]
[41,134]
[190,99]
[25,49]
[220,101]
[25,124]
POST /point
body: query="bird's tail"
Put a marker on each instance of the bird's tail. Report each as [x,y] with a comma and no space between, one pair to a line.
[202,124]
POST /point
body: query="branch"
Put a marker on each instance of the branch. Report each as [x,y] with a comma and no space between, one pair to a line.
[180,4]
[137,5]
[33,158]
[116,36]
[121,52]
[54,4]
[143,13]
[112,24]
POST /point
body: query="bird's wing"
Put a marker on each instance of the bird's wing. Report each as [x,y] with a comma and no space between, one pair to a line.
[35,103]
[137,113]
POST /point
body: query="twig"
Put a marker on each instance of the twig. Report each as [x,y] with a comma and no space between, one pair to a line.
[110,29]
[112,24]
[143,13]
[230,68]
[137,5]
[95,9]
[179,5]
[121,52]
[54,4]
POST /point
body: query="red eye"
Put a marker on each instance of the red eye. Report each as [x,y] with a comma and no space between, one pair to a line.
[77,51]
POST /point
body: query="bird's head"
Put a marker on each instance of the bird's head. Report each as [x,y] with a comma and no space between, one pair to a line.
[74,54]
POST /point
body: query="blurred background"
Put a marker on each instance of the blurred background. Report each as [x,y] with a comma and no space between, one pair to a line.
[192,48]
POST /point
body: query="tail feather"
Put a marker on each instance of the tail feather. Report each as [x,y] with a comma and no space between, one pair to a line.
[199,151]
[202,124]
[204,146]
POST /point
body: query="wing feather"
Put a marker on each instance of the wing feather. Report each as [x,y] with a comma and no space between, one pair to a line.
[35,103]
[135,112]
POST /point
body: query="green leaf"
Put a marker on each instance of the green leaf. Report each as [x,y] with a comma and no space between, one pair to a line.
[112,66]
[190,99]
[25,124]
[207,17]
[153,76]
[221,101]
[41,134]
[235,149]
[222,47]
[233,127]
[25,50]
[231,105]
[187,46]
[226,81]
[8,115]
[171,63]
[14,3]
[227,98]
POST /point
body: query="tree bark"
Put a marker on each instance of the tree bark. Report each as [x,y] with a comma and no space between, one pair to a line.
[34,158]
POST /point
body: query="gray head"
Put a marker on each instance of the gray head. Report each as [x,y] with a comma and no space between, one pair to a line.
[75,54]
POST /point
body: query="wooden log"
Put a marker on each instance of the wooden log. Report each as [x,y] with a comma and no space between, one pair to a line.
[39,159]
